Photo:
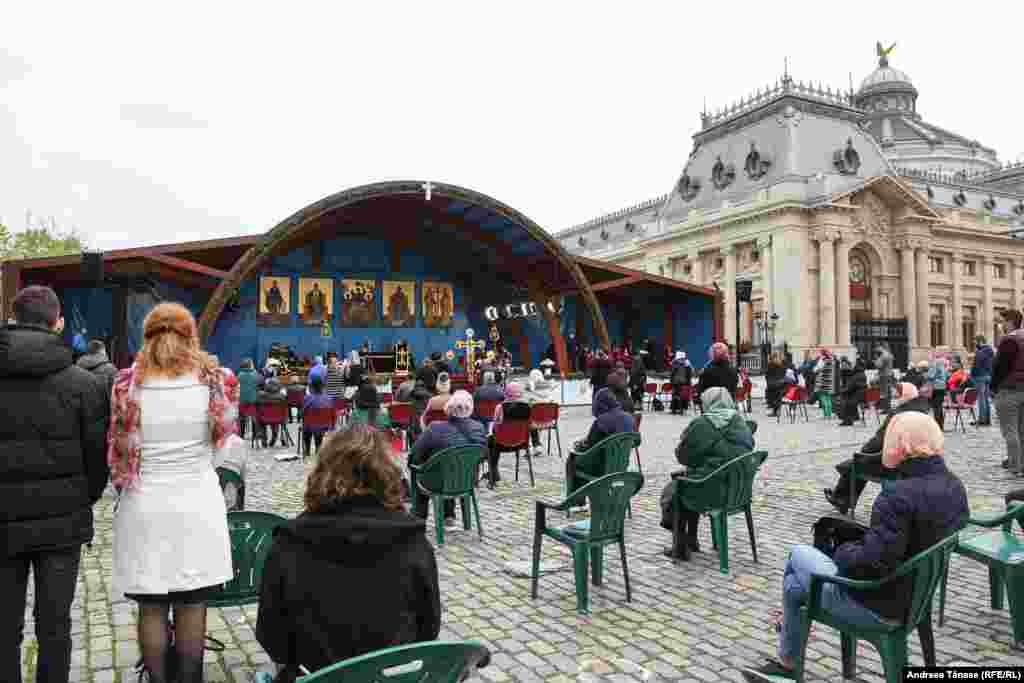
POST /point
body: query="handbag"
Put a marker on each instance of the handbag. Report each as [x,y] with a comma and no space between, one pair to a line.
[831,531]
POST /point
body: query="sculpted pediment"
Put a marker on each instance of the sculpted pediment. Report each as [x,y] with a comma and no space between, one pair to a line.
[873,217]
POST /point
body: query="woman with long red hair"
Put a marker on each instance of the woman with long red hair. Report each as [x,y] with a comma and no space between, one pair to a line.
[170,412]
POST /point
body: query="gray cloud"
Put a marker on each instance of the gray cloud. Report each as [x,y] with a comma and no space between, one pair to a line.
[160,116]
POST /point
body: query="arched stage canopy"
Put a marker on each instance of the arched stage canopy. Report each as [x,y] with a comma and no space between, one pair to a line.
[501,245]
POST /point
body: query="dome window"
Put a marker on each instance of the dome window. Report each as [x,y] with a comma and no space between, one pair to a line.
[990,203]
[582,241]
[960,198]
[604,235]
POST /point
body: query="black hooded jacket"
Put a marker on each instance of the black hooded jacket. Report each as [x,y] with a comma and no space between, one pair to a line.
[53,443]
[346,581]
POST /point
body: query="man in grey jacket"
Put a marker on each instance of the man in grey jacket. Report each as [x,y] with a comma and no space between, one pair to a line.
[98,363]
[883,361]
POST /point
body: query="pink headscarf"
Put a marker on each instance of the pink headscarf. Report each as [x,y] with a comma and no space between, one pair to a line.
[911,435]
[718,351]
[513,391]
[459,405]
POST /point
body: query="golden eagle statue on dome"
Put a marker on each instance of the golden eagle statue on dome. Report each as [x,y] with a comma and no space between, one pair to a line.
[883,53]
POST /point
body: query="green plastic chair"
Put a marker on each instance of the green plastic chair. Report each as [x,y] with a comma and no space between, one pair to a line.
[926,568]
[433,662]
[251,533]
[450,473]
[1003,553]
[232,481]
[613,454]
[609,497]
[731,487]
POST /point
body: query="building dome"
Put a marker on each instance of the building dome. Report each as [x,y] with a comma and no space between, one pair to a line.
[887,76]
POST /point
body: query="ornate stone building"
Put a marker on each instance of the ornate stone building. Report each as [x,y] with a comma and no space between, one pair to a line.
[854,219]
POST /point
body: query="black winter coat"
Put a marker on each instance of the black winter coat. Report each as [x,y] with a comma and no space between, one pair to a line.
[346,581]
[909,516]
[99,365]
[719,373]
[53,443]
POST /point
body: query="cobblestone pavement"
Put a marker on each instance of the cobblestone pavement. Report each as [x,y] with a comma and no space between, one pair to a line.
[686,621]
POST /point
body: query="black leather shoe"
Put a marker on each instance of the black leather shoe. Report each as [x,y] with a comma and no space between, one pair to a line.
[836,502]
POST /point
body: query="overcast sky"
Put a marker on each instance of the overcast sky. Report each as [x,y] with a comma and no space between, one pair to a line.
[192,121]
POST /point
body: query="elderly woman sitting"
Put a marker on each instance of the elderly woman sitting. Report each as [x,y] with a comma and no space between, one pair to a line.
[459,430]
[909,516]
[609,419]
[514,407]
[367,407]
[711,440]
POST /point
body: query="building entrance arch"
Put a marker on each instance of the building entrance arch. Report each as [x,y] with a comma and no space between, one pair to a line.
[869,325]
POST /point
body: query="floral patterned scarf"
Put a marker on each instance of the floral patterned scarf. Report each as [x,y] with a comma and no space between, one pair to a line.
[124,453]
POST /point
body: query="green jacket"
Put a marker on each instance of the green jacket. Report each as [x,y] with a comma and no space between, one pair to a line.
[703,449]
[361,416]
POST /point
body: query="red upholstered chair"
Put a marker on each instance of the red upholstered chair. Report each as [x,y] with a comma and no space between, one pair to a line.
[741,398]
[276,414]
[686,395]
[544,418]
[402,415]
[434,416]
[386,398]
[484,410]
[316,420]
[666,392]
[964,401]
[872,395]
[296,397]
[650,392]
[247,413]
[514,435]
[342,409]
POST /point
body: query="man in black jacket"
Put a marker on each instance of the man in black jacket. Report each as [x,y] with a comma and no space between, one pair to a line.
[719,372]
[869,459]
[53,468]
[925,506]
[98,363]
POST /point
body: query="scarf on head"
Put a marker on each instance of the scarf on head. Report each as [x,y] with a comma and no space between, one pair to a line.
[911,435]
[459,405]
[124,439]
[719,407]
[605,401]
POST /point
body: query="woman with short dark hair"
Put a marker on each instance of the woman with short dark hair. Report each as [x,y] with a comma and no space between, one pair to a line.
[354,572]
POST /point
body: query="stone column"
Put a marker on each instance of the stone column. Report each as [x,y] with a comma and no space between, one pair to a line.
[923,309]
[909,290]
[956,334]
[1015,284]
[764,245]
[826,286]
[729,288]
[843,247]
[988,322]
[697,272]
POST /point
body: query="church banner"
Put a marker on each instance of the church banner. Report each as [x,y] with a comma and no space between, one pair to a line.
[399,298]
[438,304]
[274,309]
[358,303]
[316,300]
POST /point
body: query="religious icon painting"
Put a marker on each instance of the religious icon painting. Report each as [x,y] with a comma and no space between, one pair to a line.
[438,304]
[316,300]
[274,307]
[399,299]
[358,303]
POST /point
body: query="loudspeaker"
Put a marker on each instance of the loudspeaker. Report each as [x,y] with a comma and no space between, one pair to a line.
[92,267]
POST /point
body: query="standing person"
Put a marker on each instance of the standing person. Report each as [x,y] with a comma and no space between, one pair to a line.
[98,363]
[1008,389]
[322,598]
[318,370]
[774,376]
[600,368]
[53,469]
[825,381]
[883,362]
[748,388]
[335,384]
[807,372]
[682,376]
[719,372]
[172,410]
[981,373]
[938,374]
[249,381]
[638,379]
[853,393]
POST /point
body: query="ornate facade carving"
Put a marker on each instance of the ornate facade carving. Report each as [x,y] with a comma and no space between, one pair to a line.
[756,165]
[846,161]
[872,216]
[912,242]
[688,187]
[825,235]
[722,174]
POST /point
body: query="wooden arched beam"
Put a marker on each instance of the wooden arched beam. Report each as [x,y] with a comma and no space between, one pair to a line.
[281,234]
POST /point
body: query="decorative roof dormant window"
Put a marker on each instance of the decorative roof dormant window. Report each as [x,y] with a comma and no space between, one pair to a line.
[960,198]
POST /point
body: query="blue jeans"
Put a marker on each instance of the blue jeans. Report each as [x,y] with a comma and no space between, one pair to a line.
[805,560]
[984,397]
